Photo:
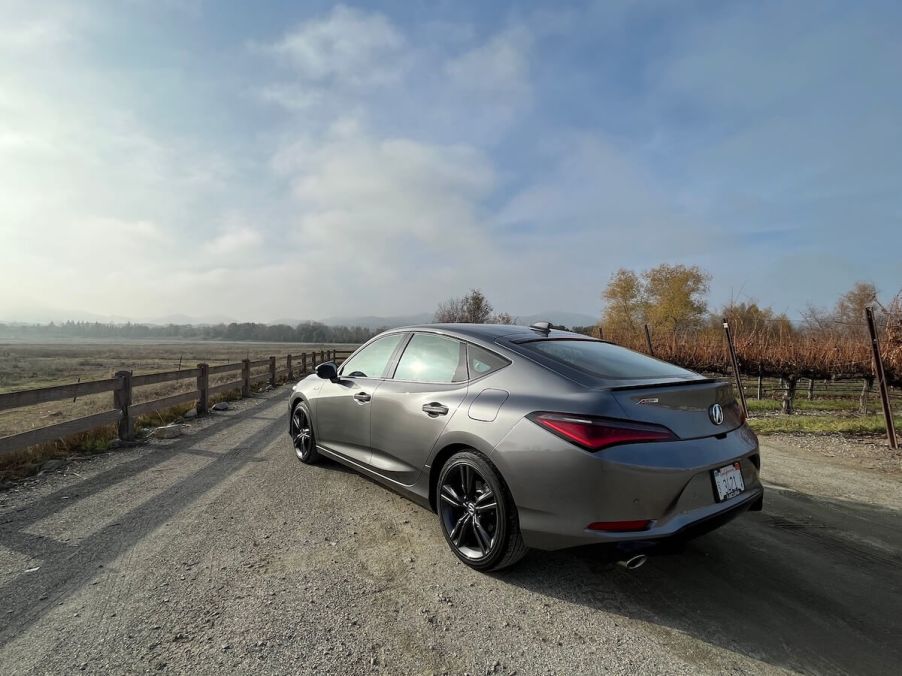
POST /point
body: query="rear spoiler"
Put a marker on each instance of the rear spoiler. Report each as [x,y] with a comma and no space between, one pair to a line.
[666,383]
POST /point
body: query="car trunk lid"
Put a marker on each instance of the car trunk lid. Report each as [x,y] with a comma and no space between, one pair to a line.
[687,408]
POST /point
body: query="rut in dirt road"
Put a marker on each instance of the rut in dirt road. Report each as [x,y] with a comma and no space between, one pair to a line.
[221,552]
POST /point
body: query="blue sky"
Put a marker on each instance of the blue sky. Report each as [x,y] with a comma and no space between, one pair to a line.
[264,160]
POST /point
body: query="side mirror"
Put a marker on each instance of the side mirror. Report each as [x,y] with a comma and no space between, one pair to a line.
[327,371]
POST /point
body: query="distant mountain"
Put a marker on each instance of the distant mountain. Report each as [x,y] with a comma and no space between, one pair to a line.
[208,320]
[42,314]
[377,322]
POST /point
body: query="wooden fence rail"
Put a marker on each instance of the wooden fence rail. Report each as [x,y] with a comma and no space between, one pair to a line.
[124,413]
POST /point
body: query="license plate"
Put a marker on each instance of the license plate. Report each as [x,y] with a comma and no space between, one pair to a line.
[728,481]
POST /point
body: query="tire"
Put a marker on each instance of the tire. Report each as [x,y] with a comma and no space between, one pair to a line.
[477,514]
[301,430]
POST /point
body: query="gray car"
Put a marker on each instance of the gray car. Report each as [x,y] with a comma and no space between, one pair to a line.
[525,437]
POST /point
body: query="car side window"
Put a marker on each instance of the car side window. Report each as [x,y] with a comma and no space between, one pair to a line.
[371,361]
[482,362]
[430,358]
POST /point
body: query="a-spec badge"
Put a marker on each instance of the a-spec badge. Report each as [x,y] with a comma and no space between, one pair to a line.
[716,414]
[652,400]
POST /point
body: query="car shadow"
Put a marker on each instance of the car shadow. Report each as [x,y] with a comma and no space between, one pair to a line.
[810,584]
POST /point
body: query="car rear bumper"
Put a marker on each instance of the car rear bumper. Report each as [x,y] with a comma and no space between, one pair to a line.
[560,489]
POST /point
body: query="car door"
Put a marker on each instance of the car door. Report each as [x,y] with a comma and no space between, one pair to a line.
[342,409]
[410,410]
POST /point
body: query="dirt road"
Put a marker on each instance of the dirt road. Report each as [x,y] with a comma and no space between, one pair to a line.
[220,552]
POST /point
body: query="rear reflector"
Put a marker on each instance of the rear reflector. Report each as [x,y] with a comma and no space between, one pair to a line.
[620,526]
[597,433]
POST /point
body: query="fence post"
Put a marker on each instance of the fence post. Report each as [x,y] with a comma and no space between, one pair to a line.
[122,399]
[881,379]
[760,382]
[303,363]
[863,397]
[203,384]
[735,361]
[810,389]
[272,371]
[651,350]
[313,360]
[245,377]
[789,394]
[290,371]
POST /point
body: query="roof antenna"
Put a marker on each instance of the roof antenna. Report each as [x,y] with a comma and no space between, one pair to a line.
[542,327]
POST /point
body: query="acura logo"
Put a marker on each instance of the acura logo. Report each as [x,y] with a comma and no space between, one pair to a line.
[716,413]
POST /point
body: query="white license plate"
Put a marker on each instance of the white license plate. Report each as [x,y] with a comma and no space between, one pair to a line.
[728,481]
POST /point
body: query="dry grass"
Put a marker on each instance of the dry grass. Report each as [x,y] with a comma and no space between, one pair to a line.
[29,365]
[29,461]
[871,425]
[816,405]
[26,366]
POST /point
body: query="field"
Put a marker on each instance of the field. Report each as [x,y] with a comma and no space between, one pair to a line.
[31,365]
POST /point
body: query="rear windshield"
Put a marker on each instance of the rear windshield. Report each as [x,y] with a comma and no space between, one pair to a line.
[606,360]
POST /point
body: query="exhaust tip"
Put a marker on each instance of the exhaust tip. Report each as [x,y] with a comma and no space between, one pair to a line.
[633,562]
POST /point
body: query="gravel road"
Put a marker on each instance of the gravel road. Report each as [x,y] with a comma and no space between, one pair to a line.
[219,552]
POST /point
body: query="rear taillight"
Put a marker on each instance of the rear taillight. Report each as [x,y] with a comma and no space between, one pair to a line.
[596,433]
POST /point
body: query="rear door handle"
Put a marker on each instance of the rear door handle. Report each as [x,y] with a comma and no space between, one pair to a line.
[362,397]
[435,408]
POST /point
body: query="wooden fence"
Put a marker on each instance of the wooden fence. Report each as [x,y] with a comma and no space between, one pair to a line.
[124,413]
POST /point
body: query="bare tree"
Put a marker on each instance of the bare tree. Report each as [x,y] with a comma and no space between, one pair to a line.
[847,315]
[449,312]
[474,308]
[502,318]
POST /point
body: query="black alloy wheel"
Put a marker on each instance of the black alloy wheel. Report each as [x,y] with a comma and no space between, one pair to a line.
[477,516]
[302,435]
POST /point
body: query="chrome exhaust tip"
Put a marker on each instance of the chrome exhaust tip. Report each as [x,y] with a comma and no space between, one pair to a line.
[633,562]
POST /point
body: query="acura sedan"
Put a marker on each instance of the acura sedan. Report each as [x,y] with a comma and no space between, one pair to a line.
[522,437]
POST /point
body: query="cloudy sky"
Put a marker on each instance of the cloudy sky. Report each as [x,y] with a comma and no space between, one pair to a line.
[284,159]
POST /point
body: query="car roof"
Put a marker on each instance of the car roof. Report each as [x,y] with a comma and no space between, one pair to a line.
[492,332]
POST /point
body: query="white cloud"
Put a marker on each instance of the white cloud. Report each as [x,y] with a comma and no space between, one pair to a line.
[34,35]
[349,46]
[239,242]
[29,32]
[387,211]
[92,194]
[292,96]
[497,69]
